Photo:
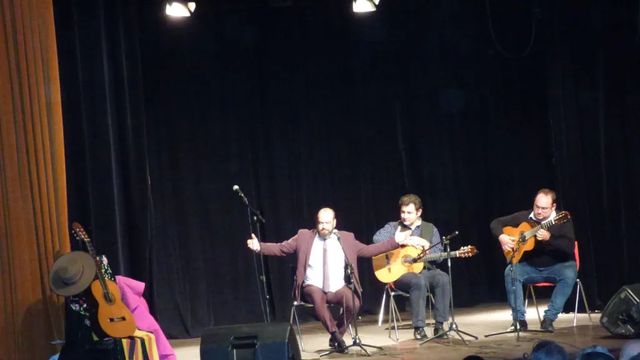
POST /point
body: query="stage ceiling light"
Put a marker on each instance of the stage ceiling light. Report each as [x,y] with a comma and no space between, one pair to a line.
[180,8]
[364,6]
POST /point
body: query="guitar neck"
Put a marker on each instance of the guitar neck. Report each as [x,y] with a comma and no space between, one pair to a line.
[99,273]
[91,250]
[440,256]
[544,226]
[81,234]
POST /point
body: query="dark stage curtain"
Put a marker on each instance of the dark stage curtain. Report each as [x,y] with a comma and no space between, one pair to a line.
[472,105]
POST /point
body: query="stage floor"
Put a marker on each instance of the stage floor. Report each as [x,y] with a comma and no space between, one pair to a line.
[479,321]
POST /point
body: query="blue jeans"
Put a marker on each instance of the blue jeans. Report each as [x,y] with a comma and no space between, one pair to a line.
[562,274]
[418,286]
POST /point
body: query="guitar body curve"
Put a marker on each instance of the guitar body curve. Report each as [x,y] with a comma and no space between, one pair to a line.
[388,267]
[114,317]
[521,245]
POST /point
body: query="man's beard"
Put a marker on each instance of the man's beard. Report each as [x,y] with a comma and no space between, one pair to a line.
[325,233]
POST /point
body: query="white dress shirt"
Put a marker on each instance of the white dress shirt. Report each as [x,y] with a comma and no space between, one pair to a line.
[335,259]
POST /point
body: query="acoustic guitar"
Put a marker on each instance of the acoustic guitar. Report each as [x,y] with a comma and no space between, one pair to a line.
[388,267]
[113,316]
[524,235]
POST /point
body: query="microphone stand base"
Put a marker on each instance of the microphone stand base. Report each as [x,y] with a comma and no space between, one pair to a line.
[453,328]
[356,343]
[517,332]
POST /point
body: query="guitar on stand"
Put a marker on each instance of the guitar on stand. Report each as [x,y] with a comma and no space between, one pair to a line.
[390,266]
[114,318]
[524,235]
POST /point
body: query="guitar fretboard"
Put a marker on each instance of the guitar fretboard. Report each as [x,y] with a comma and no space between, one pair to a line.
[560,218]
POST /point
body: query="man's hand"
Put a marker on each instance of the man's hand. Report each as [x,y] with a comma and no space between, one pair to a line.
[253,243]
[418,242]
[402,237]
[543,235]
[507,242]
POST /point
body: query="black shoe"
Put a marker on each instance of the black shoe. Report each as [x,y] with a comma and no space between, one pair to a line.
[440,330]
[419,334]
[521,325]
[336,342]
[547,325]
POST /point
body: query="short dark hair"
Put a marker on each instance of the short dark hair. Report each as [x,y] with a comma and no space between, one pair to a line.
[547,192]
[548,350]
[409,199]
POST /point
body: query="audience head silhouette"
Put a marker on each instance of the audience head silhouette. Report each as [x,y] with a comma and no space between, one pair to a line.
[594,352]
[548,350]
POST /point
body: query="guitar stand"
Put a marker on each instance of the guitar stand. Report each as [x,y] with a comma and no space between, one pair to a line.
[453,326]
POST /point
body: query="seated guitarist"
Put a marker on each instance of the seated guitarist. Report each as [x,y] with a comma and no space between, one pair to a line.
[550,260]
[430,278]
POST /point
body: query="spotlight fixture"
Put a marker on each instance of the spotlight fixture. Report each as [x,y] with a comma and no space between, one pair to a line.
[364,6]
[180,8]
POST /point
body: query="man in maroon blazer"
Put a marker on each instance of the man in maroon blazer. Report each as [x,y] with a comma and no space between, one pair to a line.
[320,271]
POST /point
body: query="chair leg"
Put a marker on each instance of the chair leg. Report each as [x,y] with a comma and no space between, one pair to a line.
[535,302]
[391,315]
[394,316]
[384,298]
[575,308]
[398,317]
[294,315]
[580,291]
[431,301]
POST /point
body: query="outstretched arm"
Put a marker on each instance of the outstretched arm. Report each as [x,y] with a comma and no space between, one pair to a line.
[277,249]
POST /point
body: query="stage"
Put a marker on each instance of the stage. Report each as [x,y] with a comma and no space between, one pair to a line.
[479,321]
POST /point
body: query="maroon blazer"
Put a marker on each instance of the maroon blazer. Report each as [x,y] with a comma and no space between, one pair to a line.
[302,242]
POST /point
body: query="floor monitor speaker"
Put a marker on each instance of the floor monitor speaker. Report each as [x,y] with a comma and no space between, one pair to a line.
[621,316]
[263,341]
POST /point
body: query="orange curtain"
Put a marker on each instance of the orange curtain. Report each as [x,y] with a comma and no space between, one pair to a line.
[33,207]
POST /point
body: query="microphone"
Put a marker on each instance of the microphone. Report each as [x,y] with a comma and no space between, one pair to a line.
[451,236]
[336,233]
[236,188]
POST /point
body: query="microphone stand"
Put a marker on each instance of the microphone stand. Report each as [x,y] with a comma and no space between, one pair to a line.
[453,326]
[352,283]
[254,215]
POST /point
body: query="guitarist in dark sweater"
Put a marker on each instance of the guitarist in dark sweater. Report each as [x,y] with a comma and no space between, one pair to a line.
[550,260]
[430,278]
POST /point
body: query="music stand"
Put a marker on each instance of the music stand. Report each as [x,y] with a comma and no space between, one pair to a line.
[453,326]
[351,282]
[514,315]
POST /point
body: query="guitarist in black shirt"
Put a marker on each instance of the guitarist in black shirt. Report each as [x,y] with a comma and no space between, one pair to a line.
[542,250]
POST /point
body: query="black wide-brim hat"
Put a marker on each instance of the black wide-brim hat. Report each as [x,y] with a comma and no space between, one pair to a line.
[72,273]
